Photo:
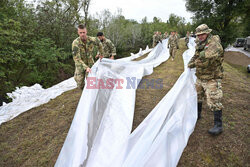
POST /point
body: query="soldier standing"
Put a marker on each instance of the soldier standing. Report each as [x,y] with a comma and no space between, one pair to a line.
[208,60]
[165,35]
[157,38]
[187,38]
[154,39]
[82,49]
[160,37]
[173,43]
[108,46]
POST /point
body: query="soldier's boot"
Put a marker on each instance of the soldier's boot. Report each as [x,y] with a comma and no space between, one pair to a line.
[199,110]
[217,129]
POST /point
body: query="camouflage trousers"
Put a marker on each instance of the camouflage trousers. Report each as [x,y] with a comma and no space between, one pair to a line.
[212,90]
[172,51]
[79,77]
[187,41]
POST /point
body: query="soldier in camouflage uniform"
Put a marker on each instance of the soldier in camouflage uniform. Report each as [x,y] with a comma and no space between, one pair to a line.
[82,49]
[165,35]
[208,60]
[159,37]
[108,46]
[156,38]
[187,38]
[173,43]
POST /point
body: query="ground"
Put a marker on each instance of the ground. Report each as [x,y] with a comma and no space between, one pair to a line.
[35,137]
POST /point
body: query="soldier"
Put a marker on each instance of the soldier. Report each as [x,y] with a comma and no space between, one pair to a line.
[108,46]
[208,60]
[154,39]
[173,43]
[187,38]
[82,49]
[165,35]
[157,38]
[177,36]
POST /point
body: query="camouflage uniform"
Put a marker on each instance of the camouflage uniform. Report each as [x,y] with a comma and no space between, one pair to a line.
[82,55]
[208,61]
[173,43]
[165,36]
[109,48]
[156,39]
[187,39]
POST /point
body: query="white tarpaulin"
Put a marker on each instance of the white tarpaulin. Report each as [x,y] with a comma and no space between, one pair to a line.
[99,135]
[241,49]
[25,98]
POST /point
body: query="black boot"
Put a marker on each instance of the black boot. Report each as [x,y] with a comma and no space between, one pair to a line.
[199,110]
[217,129]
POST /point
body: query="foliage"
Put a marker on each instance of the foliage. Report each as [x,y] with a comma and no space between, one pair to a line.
[227,18]
[35,41]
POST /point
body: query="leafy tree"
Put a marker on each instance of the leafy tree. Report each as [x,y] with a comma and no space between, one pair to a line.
[224,17]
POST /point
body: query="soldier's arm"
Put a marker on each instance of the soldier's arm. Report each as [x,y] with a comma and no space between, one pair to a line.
[153,41]
[112,48]
[168,41]
[77,57]
[191,63]
[100,46]
[214,50]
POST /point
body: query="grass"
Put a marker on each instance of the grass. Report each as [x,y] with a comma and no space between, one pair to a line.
[35,137]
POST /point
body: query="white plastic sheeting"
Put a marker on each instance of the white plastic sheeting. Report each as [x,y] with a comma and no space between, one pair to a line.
[99,135]
[104,117]
[25,98]
[241,49]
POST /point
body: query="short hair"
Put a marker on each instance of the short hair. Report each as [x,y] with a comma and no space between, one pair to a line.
[99,34]
[81,26]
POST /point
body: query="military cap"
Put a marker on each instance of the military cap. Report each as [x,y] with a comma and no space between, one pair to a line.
[202,29]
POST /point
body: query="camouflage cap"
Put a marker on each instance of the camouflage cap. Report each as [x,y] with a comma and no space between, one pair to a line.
[202,29]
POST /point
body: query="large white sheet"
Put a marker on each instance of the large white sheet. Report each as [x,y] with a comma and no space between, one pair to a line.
[100,131]
[25,98]
[28,97]
[104,117]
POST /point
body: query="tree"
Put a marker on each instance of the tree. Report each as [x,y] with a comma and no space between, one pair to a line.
[224,17]
[85,5]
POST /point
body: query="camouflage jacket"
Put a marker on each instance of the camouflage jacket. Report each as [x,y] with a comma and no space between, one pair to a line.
[156,39]
[165,36]
[208,59]
[109,48]
[83,53]
[187,38]
[172,41]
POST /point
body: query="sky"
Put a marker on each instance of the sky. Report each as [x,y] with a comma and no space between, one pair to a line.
[138,9]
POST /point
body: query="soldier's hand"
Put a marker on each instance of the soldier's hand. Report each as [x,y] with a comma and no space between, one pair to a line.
[112,57]
[96,56]
[101,56]
[88,70]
